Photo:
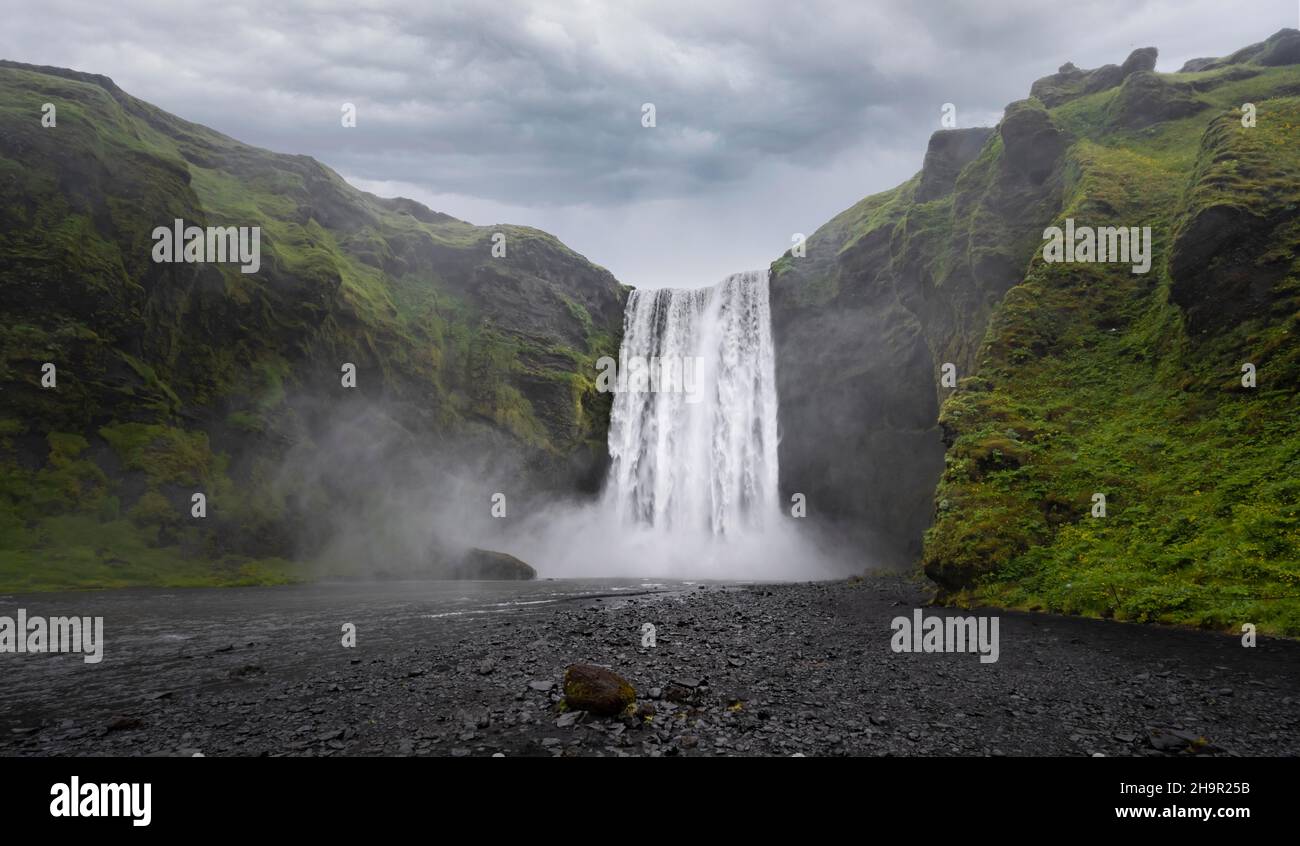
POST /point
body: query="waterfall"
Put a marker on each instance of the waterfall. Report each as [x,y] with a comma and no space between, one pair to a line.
[692,435]
[692,487]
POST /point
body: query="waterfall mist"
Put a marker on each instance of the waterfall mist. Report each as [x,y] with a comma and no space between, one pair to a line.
[692,490]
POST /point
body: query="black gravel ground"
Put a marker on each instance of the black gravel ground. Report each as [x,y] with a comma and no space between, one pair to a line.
[760,670]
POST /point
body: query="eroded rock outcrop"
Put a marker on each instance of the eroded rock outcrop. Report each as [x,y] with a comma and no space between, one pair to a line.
[1070,83]
[1146,98]
[1280,48]
[950,150]
[1227,265]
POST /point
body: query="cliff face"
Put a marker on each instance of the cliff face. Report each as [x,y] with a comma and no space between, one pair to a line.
[889,292]
[1075,379]
[177,377]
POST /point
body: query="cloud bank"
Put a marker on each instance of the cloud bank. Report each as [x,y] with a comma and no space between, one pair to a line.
[771,117]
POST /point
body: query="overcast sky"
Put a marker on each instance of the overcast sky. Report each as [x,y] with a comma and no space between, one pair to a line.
[771,116]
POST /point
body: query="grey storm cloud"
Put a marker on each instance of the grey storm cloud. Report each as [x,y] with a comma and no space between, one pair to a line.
[771,116]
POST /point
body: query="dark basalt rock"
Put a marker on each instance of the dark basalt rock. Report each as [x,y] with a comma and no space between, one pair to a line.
[487,565]
[1197,65]
[1219,272]
[950,150]
[1233,74]
[1145,99]
[1060,86]
[1103,78]
[1070,83]
[1141,59]
[1280,48]
[1032,142]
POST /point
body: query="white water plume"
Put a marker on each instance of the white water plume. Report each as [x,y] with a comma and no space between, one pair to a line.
[692,489]
[703,459]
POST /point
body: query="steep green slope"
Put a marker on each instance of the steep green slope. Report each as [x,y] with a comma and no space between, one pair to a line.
[1077,378]
[1095,380]
[175,378]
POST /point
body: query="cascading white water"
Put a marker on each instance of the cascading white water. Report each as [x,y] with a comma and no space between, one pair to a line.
[696,450]
[692,490]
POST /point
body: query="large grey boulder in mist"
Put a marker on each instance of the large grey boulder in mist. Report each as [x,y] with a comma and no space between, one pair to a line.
[488,565]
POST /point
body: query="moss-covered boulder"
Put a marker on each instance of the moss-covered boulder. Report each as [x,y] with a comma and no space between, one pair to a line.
[599,690]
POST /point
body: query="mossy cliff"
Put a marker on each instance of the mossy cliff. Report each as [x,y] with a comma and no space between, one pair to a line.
[176,378]
[1075,379]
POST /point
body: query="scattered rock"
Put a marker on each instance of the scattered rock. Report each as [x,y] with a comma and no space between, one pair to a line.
[1173,740]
